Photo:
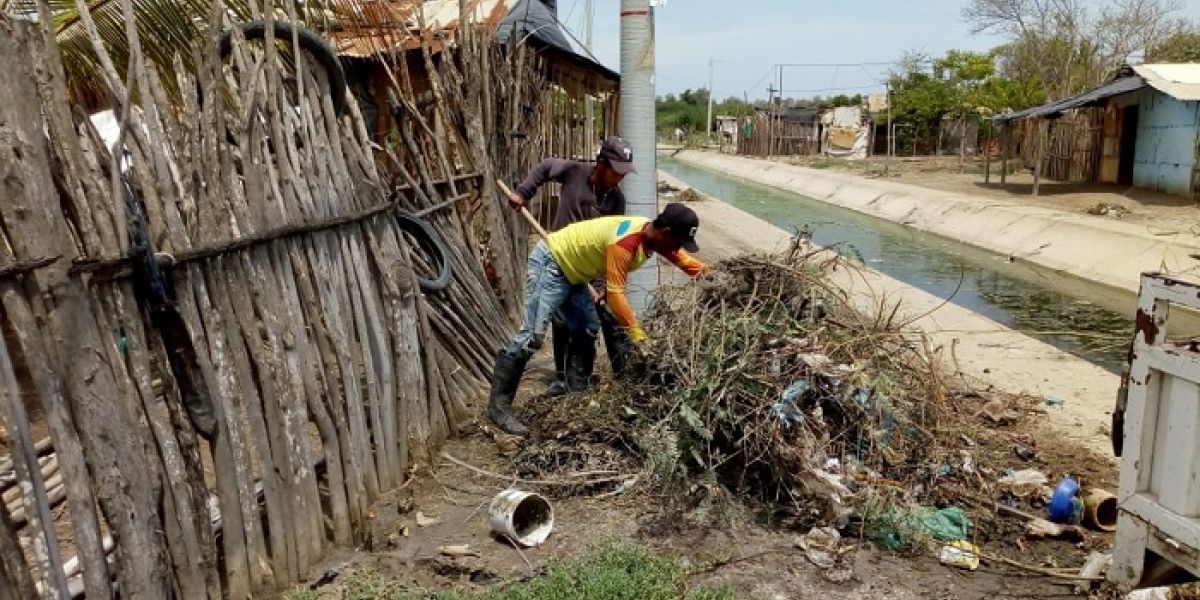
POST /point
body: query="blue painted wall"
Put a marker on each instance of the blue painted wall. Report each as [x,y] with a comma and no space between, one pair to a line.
[1166,142]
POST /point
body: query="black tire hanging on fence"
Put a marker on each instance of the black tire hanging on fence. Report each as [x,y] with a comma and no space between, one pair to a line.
[431,242]
[310,41]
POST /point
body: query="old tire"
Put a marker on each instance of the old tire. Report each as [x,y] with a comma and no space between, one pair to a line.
[310,41]
[432,243]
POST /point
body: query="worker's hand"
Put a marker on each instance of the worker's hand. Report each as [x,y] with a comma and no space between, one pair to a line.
[598,293]
[637,335]
[516,201]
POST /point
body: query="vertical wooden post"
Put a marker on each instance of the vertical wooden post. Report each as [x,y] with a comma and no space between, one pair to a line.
[1004,141]
[987,155]
[125,481]
[1039,154]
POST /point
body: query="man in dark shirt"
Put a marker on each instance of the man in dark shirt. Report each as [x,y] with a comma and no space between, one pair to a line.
[588,191]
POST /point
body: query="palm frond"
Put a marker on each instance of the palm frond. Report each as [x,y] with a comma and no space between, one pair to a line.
[166,29]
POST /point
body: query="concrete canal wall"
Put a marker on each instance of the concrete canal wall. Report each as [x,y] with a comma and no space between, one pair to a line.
[1109,252]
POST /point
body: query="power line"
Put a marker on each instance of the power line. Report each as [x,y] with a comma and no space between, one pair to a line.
[764,78]
[570,13]
[858,64]
[834,89]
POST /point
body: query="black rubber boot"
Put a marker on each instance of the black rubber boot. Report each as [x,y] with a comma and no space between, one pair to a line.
[506,377]
[562,340]
[581,360]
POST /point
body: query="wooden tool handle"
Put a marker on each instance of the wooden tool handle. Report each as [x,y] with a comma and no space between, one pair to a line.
[540,231]
[524,212]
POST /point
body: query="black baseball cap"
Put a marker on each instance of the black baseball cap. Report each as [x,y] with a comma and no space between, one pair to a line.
[682,222]
[617,153]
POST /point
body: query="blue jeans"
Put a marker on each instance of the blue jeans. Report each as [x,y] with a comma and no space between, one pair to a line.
[547,291]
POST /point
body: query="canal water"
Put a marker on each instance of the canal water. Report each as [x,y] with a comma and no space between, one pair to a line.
[1083,318]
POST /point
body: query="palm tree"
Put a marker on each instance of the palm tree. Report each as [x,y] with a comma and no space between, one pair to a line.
[168,30]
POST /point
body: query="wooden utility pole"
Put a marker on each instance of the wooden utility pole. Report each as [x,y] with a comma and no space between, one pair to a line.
[890,131]
[708,124]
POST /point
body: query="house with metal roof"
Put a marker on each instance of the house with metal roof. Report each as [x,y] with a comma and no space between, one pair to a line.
[1146,124]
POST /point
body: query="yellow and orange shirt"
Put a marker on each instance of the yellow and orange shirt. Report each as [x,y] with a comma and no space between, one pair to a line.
[610,247]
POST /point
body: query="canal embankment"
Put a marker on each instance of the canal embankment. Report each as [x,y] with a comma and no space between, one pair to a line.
[1105,251]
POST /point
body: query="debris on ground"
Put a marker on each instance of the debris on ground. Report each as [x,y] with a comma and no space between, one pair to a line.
[456,550]
[1108,209]
[764,386]
[820,546]
[424,521]
[999,412]
[1065,504]
[689,195]
[960,554]
[1025,483]
[1038,529]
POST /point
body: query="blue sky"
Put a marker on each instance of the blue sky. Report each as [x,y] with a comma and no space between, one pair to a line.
[748,37]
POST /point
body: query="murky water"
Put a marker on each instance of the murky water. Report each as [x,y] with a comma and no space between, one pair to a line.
[1085,319]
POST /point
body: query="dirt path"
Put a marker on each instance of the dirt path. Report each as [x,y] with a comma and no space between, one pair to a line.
[765,563]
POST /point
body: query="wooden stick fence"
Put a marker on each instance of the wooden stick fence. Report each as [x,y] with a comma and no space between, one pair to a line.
[210,432]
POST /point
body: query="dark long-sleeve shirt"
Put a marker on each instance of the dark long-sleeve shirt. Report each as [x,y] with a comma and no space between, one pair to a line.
[578,201]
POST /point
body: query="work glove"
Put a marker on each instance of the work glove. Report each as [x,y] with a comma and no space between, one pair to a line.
[637,335]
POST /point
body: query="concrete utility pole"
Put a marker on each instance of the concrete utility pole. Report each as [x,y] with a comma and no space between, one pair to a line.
[590,103]
[637,127]
[708,124]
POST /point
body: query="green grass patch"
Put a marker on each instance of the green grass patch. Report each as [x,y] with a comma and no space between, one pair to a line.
[611,571]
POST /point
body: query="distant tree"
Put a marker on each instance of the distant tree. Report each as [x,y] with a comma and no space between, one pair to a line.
[1183,47]
[1070,45]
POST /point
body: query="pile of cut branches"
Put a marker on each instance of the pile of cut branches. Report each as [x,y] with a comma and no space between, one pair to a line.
[766,381]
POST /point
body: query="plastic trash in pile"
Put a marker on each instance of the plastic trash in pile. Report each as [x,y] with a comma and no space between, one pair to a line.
[961,554]
[879,405]
[786,409]
[821,545]
[898,529]
[1065,505]
[1025,482]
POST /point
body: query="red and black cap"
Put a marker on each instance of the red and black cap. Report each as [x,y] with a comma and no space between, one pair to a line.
[682,222]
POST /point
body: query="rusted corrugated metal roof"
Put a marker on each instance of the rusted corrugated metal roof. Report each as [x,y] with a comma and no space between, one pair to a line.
[385,26]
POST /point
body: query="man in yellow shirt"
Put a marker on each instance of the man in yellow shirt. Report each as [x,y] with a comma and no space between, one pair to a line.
[559,270]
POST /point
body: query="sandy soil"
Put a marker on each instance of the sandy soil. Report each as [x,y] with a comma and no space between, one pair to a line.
[1157,211]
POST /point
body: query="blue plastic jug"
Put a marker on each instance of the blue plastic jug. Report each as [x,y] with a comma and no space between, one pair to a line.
[1061,506]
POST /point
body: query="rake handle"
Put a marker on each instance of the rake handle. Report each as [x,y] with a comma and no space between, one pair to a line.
[539,229]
